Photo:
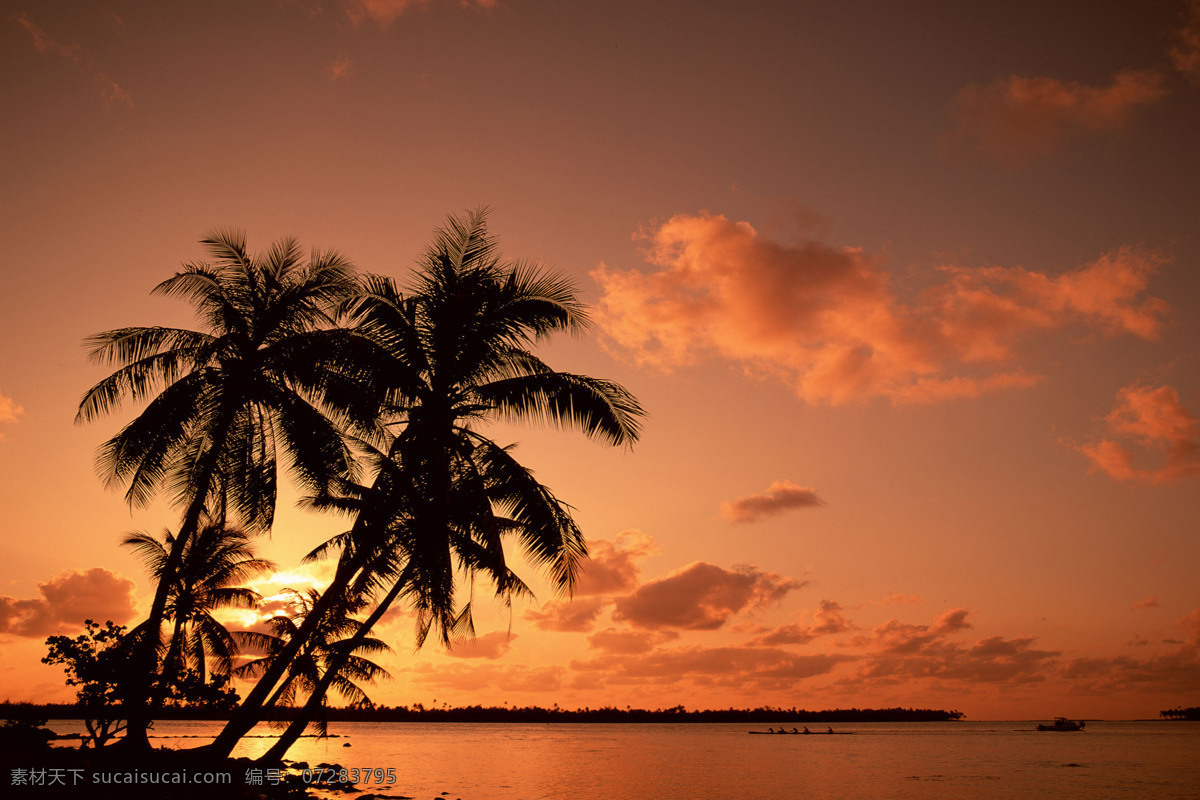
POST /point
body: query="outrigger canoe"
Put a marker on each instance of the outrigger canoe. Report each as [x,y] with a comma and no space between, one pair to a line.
[801,733]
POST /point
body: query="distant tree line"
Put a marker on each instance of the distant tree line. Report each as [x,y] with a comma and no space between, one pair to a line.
[1179,712]
[527,714]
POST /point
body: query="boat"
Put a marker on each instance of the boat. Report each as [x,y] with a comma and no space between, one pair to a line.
[801,733]
[1062,724]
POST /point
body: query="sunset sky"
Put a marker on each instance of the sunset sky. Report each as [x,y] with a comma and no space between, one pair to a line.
[911,292]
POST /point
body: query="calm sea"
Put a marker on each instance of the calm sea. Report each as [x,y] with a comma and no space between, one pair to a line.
[959,760]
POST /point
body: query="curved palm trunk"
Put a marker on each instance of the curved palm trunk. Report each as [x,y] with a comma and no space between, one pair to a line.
[173,663]
[145,661]
[249,713]
[439,510]
[297,727]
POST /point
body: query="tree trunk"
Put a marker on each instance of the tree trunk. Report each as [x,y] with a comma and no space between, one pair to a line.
[314,702]
[249,713]
[145,662]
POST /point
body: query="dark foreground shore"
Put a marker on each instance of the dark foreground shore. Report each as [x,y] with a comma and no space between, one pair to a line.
[34,769]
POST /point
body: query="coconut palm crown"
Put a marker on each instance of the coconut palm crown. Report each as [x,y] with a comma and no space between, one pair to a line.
[266,371]
[455,352]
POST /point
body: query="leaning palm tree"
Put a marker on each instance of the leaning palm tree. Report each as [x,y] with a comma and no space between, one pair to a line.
[445,497]
[213,566]
[311,666]
[222,400]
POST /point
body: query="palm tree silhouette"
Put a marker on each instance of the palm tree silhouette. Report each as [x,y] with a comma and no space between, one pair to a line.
[221,401]
[324,649]
[213,565]
[445,496]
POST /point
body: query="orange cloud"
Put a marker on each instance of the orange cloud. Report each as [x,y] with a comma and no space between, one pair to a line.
[1018,120]
[991,660]
[825,320]
[1157,420]
[737,666]
[894,636]
[340,68]
[1149,602]
[578,615]
[900,653]
[1177,671]
[67,600]
[385,12]
[1190,625]
[611,567]
[490,646]
[9,411]
[900,599]
[505,678]
[110,92]
[1185,51]
[780,496]
[827,620]
[612,640]
[701,596]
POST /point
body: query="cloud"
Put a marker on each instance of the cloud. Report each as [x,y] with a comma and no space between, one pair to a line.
[340,68]
[1154,417]
[67,600]
[578,615]
[826,320]
[1019,119]
[627,642]
[490,646]
[385,12]
[9,411]
[780,496]
[110,92]
[476,678]
[901,599]
[827,620]
[1149,602]
[1177,671]
[611,567]
[733,666]
[1185,50]
[896,637]
[1190,625]
[701,596]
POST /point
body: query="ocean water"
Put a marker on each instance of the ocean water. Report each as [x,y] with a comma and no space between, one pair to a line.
[922,761]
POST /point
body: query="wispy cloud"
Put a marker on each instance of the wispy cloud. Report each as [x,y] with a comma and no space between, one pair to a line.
[826,319]
[1155,418]
[780,496]
[67,600]
[1149,602]
[1019,119]
[827,620]
[10,411]
[385,12]
[578,615]
[110,92]
[1185,49]
[612,565]
[340,68]
[489,646]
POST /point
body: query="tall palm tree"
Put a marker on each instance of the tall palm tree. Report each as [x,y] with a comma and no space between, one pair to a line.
[222,400]
[445,496]
[213,566]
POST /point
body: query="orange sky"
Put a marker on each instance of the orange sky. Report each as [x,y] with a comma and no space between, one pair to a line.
[911,293]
